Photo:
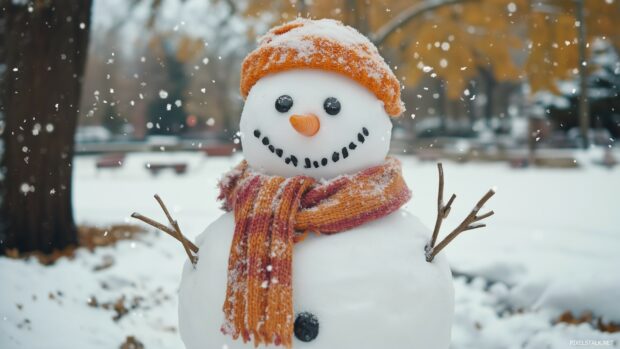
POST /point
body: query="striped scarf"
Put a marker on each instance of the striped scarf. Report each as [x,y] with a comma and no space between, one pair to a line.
[270,212]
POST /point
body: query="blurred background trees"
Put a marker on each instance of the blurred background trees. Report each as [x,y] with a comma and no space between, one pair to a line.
[467,65]
[484,74]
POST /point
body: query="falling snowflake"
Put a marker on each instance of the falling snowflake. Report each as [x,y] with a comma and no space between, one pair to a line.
[26,188]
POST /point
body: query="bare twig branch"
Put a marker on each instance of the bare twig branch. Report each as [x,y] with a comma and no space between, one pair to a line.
[488,214]
[448,206]
[408,15]
[164,208]
[442,212]
[155,224]
[175,225]
[175,232]
[163,228]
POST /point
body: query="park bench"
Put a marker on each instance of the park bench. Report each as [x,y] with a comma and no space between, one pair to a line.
[115,160]
[156,168]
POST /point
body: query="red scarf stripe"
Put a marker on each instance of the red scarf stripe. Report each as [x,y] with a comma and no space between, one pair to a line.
[319,193]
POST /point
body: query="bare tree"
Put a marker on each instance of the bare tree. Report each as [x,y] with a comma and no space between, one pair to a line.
[47,45]
[408,15]
[584,107]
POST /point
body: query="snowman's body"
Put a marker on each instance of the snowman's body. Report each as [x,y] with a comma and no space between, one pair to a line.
[369,287]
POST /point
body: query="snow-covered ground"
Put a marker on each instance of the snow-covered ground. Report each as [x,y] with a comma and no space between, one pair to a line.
[553,246]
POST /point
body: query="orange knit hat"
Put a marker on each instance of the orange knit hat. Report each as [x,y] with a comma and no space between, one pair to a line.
[324,44]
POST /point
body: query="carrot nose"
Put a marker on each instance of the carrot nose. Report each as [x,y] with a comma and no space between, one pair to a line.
[307,125]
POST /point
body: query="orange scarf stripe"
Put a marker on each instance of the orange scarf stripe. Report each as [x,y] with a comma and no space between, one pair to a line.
[268,211]
[258,255]
[237,270]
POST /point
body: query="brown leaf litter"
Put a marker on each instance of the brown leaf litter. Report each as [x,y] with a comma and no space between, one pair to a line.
[567,317]
[89,237]
[132,342]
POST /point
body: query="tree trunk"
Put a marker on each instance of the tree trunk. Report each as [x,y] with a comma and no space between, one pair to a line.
[490,84]
[46,43]
[584,107]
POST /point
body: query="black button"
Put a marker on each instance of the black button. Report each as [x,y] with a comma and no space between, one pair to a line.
[306,327]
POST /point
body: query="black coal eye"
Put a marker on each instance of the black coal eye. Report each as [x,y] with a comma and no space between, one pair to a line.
[284,103]
[331,106]
[306,327]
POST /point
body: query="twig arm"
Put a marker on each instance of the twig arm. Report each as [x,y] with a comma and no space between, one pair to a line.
[163,228]
[442,210]
[190,249]
[176,227]
[469,223]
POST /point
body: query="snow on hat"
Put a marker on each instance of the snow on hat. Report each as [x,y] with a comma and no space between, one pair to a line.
[324,44]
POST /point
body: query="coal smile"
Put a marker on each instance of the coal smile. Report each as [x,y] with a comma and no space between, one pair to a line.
[293,160]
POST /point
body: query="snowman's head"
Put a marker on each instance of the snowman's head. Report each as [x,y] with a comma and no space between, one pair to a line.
[315,123]
[318,101]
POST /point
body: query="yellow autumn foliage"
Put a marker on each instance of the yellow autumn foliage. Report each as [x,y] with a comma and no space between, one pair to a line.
[516,40]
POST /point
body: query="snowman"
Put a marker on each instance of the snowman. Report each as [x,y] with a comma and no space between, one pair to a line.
[314,250]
